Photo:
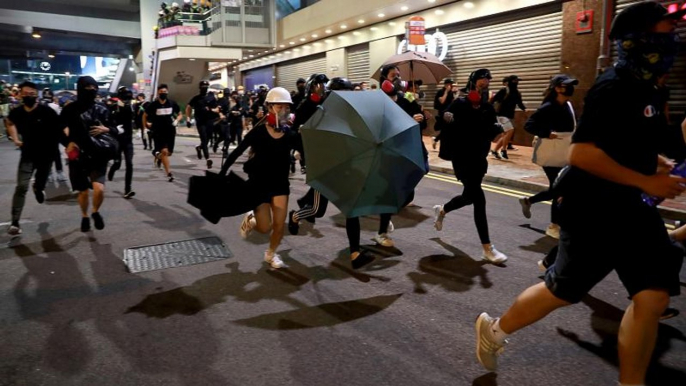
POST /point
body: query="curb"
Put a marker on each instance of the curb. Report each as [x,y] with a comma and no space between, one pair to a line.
[665,212]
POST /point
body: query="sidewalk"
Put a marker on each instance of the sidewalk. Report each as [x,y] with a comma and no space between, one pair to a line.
[518,172]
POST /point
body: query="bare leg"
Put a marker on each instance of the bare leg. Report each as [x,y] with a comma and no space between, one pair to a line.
[263,218]
[279,209]
[531,306]
[164,156]
[83,203]
[638,333]
[98,196]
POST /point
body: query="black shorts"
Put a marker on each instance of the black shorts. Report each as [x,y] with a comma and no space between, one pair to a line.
[82,174]
[263,190]
[164,140]
[595,240]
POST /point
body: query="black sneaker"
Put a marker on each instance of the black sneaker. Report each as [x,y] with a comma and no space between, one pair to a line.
[303,170]
[198,150]
[215,148]
[110,174]
[669,313]
[504,154]
[98,221]
[40,196]
[129,194]
[495,154]
[361,259]
[510,147]
[293,227]
[85,224]
[209,164]
[171,177]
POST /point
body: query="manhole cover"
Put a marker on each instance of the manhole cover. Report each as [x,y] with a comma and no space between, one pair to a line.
[175,254]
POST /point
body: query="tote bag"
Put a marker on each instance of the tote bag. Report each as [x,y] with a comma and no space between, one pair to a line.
[553,152]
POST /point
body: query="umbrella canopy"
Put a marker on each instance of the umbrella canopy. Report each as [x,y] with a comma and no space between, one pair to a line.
[364,153]
[417,65]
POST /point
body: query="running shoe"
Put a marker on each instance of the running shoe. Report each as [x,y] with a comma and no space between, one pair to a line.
[359,260]
[495,154]
[504,154]
[170,177]
[61,177]
[198,151]
[129,194]
[553,231]
[438,217]
[494,256]
[487,349]
[293,226]
[14,230]
[273,259]
[40,196]
[209,164]
[303,170]
[85,224]
[98,221]
[383,240]
[391,227]
[526,206]
[246,225]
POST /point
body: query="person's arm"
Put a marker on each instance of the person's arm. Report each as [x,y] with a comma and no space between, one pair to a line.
[12,132]
[189,110]
[498,97]
[444,97]
[520,102]
[587,156]
[538,124]
[233,156]
[179,114]
[683,129]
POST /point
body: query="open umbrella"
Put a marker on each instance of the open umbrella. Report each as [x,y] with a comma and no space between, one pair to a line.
[417,65]
[364,153]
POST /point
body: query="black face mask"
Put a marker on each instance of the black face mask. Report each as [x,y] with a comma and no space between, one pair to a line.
[88,96]
[569,90]
[29,101]
[163,96]
[203,90]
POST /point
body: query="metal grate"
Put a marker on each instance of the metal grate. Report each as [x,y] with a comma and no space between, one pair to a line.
[175,254]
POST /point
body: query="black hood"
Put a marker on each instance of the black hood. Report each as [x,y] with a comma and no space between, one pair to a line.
[82,95]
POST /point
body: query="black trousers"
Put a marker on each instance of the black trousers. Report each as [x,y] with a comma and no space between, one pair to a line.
[312,204]
[352,229]
[549,195]
[205,130]
[474,195]
[127,150]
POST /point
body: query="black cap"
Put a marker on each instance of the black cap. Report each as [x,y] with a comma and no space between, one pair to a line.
[641,17]
[512,78]
[300,80]
[448,81]
[482,73]
[204,83]
[562,80]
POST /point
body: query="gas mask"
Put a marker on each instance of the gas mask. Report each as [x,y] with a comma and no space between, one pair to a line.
[280,120]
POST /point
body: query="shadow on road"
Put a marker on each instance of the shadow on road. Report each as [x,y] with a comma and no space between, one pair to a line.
[605,321]
[489,379]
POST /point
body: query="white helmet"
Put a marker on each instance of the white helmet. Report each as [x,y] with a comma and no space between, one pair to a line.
[278,95]
[175,5]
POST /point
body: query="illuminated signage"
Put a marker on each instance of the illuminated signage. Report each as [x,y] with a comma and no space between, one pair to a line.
[434,42]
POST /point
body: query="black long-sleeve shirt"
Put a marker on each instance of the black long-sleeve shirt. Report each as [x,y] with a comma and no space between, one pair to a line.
[551,116]
[79,119]
[508,102]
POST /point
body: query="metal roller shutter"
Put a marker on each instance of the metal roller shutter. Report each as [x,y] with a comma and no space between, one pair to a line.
[529,47]
[677,77]
[358,63]
[289,72]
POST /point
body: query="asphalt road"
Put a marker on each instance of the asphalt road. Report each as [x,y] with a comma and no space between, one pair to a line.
[71,313]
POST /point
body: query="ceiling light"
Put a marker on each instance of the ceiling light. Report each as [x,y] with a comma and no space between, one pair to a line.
[282,45]
[356,33]
[296,49]
[341,37]
[328,31]
[67,73]
[381,15]
[314,36]
[252,56]
[132,69]
[439,12]
[302,39]
[432,1]
[343,26]
[250,50]
[291,43]
[51,56]
[193,60]
[287,52]
[266,51]
[391,23]
[374,29]
[361,21]
[469,4]
[329,41]
[36,35]
[404,8]
[306,47]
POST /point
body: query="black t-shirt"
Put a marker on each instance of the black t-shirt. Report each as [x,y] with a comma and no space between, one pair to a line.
[202,104]
[622,116]
[39,130]
[161,115]
[507,102]
[440,107]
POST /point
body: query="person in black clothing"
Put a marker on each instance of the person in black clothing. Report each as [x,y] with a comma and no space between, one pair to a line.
[236,117]
[139,106]
[87,168]
[257,109]
[204,106]
[123,117]
[315,90]
[35,130]
[444,97]
[614,158]
[554,116]
[271,142]
[301,90]
[505,102]
[466,140]
[160,117]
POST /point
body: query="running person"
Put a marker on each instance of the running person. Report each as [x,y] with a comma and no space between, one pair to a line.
[271,141]
[123,117]
[507,99]
[614,158]
[204,119]
[466,140]
[159,116]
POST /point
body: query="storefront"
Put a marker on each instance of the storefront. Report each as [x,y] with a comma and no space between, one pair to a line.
[287,73]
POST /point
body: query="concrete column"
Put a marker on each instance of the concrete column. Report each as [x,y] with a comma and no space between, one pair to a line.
[148,12]
[336,63]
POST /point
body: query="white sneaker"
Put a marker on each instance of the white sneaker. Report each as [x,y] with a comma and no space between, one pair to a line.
[383,240]
[494,256]
[526,206]
[61,177]
[438,217]
[247,224]
[541,266]
[391,227]
[273,259]
[487,349]
[553,231]
[14,230]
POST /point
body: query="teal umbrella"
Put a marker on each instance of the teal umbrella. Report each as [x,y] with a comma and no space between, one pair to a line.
[364,153]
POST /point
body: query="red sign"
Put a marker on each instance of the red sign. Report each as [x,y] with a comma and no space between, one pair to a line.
[415,30]
[584,22]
